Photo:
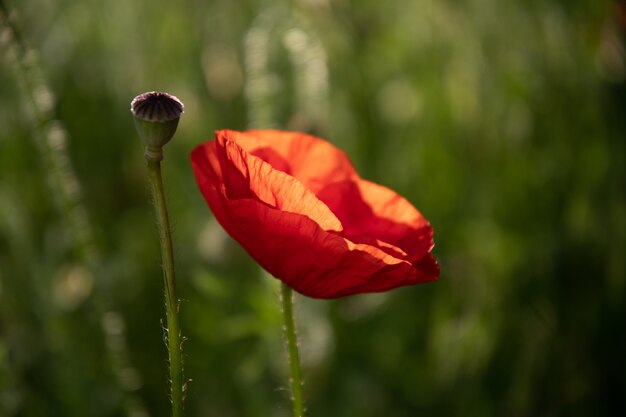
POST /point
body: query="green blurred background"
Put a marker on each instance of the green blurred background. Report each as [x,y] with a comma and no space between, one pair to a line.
[503,121]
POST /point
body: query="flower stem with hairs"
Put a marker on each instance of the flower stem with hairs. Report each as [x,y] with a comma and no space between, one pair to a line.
[172,332]
[156,118]
[292,348]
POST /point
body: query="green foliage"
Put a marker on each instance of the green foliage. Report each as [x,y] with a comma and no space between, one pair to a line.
[503,122]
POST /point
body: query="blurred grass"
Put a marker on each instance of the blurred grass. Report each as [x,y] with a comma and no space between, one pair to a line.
[502,121]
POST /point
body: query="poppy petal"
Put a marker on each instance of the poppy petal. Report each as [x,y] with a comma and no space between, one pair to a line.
[367,210]
[325,232]
[314,162]
[247,176]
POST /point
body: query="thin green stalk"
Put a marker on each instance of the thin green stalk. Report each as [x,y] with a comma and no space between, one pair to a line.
[292,347]
[51,140]
[172,333]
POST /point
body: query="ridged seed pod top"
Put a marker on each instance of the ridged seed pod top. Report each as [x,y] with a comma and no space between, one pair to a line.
[156,119]
[157,106]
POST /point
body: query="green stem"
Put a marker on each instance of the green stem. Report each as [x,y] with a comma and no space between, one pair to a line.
[65,188]
[292,347]
[50,138]
[172,333]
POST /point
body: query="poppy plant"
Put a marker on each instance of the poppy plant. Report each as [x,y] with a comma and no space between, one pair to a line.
[299,208]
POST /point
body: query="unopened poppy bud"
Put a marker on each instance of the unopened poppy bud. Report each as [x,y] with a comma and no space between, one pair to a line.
[156,119]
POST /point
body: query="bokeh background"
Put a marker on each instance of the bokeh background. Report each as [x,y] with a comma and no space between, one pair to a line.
[503,122]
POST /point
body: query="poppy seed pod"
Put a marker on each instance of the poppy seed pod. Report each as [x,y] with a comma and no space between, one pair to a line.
[156,119]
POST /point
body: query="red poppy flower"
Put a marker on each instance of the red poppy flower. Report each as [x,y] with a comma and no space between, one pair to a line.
[299,208]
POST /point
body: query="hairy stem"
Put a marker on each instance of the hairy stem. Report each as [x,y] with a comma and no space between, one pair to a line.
[292,348]
[172,333]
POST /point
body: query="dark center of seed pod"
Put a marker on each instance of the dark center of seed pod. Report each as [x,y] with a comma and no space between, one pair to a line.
[156,106]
